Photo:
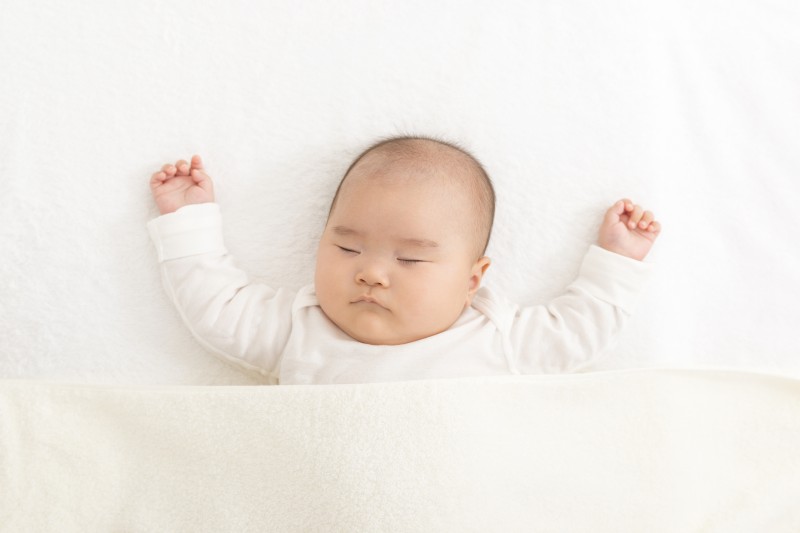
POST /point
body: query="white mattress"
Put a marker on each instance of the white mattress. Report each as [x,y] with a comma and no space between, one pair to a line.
[689,108]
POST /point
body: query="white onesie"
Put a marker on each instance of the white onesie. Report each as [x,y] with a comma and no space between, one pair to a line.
[285,336]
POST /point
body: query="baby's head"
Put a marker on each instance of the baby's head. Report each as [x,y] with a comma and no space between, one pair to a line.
[402,251]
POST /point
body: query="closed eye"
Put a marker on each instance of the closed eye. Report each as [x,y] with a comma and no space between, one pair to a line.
[410,261]
[348,250]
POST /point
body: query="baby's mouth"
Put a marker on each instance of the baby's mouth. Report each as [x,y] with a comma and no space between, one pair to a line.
[367,299]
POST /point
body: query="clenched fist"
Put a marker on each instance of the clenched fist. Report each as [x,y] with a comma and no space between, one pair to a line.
[628,230]
[175,186]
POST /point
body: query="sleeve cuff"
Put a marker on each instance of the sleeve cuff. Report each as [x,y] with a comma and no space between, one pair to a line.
[191,230]
[613,278]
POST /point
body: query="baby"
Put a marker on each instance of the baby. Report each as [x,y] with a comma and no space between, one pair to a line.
[397,293]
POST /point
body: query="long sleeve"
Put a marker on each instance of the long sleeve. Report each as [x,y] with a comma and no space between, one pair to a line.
[244,322]
[569,332]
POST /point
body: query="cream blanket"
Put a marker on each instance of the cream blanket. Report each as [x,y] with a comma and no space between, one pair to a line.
[638,450]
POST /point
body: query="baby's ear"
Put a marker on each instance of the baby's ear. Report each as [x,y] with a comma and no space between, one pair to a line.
[476,275]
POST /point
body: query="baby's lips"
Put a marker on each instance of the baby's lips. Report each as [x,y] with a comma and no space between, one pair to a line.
[366,298]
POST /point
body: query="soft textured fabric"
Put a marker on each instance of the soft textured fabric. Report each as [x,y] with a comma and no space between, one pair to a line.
[287,337]
[628,451]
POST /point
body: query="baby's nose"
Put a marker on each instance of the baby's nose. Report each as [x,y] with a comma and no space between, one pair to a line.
[373,273]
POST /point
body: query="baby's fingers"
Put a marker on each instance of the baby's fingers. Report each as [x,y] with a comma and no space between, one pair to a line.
[169,170]
[202,180]
[183,168]
[166,172]
[627,204]
[198,173]
[197,162]
[635,217]
[647,218]
[157,179]
[614,213]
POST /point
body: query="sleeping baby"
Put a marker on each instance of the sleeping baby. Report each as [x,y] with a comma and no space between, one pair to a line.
[397,292]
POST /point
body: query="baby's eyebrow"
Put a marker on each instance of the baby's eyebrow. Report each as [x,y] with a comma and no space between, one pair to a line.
[343,230]
[423,243]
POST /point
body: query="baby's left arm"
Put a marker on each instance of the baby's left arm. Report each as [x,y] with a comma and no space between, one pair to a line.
[628,230]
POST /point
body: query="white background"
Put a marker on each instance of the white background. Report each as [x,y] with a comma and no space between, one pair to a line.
[690,108]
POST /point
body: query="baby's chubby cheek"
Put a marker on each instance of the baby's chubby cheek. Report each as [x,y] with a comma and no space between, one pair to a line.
[437,303]
[324,285]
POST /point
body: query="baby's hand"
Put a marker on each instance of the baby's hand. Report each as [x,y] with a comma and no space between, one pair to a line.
[175,186]
[628,231]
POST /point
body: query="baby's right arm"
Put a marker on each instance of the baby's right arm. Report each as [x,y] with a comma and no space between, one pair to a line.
[246,323]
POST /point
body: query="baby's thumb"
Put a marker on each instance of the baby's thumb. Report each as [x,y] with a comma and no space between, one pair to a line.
[202,179]
[612,216]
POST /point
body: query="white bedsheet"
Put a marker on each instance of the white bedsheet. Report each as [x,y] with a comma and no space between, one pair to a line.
[688,107]
[623,451]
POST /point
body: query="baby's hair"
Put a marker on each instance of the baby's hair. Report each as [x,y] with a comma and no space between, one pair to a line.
[416,146]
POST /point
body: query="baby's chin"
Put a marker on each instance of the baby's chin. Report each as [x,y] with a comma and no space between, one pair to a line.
[379,334]
[377,338]
[378,326]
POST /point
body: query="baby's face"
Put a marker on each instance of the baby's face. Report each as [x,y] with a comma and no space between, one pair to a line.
[396,260]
